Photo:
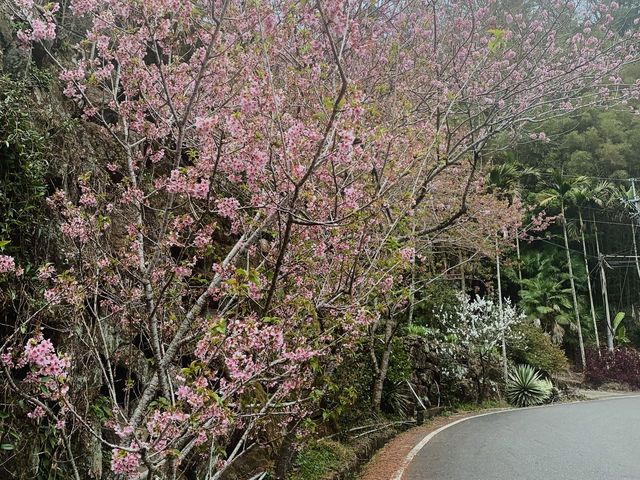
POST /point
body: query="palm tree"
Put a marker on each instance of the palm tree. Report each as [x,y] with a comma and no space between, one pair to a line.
[561,191]
[505,179]
[545,299]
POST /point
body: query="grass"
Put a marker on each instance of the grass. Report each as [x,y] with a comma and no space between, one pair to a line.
[317,460]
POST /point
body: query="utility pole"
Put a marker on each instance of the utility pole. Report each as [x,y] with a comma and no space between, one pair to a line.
[636,207]
[634,201]
[586,266]
[603,279]
[603,276]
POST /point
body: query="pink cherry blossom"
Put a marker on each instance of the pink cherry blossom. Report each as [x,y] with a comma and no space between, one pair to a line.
[7,264]
[125,463]
[37,414]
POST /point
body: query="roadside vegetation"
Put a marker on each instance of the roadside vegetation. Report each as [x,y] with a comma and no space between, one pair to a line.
[255,240]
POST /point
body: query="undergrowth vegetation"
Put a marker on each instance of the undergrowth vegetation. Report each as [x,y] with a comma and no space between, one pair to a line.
[532,346]
[23,166]
[622,365]
[317,460]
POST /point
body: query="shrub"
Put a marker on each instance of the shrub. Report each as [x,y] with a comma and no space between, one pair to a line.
[554,393]
[534,347]
[622,365]
[350,399]
[434,299]
[316,460]
[23,163]
[418,330]
[525,387]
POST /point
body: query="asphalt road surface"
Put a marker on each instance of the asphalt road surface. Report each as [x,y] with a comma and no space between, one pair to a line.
[596,440]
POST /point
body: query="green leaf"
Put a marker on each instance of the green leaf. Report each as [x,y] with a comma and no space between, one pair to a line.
[496,41]
[498,33]
[618,320]
[271,320]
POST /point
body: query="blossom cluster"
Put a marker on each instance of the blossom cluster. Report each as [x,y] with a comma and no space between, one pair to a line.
[48,375]
[47,367]
[7,264]
[125,462]
[479,323]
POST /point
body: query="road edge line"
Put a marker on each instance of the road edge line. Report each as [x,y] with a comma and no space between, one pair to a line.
[427,438]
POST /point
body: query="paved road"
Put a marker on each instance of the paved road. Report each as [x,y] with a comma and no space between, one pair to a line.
[596,440]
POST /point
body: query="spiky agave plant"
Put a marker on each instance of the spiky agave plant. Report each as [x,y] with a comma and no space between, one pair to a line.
[525,387]
[396,398]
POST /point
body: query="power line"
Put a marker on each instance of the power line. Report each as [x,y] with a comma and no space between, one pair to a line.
[604,222]
[581,253]
[577,252]
[629,180]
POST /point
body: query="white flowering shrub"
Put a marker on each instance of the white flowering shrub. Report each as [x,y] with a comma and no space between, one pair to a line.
[473,330]
[477,323]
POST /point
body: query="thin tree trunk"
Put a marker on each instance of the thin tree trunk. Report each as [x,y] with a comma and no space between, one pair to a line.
[463,284]
[519,258]
[505,367]
[605,293]
[573,289]
[285,452]
[378,385]
[412,291]
[586,266]
[412,288]
[482,381]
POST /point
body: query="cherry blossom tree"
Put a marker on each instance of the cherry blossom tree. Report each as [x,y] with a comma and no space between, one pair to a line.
[274,167]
